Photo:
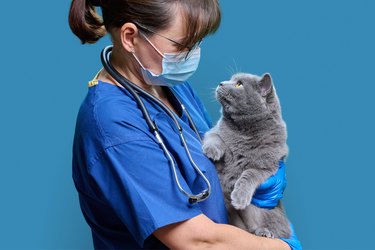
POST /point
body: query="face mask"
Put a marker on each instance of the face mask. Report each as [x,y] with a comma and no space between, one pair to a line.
[175,68]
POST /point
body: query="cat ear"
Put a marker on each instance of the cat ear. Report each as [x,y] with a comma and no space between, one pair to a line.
[266,84]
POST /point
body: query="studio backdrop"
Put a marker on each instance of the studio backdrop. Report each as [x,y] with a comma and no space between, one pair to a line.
[319,53]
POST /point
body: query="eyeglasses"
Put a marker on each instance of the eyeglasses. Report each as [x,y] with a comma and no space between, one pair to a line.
[184,54]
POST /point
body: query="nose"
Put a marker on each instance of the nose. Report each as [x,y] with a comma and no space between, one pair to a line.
[223,83]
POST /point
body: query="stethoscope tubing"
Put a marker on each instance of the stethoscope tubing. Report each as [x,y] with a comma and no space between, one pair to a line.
[134,90]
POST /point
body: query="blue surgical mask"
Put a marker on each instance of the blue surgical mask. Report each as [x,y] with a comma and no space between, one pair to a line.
[176,68]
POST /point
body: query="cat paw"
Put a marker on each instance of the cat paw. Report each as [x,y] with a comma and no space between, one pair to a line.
[212,152]
[240,199]
[264,232]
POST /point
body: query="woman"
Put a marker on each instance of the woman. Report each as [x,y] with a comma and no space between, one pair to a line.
[127,191]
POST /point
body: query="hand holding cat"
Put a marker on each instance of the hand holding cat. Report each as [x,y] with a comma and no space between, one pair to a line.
[271,191]
[267,195]
[293,241]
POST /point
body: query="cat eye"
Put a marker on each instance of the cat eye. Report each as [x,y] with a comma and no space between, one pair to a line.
[238,84]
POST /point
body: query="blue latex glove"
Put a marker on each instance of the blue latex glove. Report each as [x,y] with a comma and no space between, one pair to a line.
[293,242]
[271,191]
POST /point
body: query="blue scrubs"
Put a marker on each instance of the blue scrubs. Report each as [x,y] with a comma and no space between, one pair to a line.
[124,180]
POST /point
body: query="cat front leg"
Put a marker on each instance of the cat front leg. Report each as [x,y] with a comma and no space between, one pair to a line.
[213,146]
[244,188]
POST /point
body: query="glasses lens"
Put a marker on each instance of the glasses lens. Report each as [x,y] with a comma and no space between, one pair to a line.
[193,48]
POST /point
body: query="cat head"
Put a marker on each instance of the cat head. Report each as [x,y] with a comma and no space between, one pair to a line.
[246,95]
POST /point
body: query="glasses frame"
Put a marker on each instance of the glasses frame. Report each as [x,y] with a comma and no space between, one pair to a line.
[190,48]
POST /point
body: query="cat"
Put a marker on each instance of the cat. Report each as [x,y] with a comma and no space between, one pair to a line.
[246,146]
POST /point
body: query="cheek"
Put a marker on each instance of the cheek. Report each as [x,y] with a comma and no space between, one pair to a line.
[236,93]
[149,57]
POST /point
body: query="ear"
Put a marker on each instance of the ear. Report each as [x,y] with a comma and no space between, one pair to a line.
[266,84]
[128,33]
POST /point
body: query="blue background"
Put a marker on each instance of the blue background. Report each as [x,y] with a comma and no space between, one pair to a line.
[320,54]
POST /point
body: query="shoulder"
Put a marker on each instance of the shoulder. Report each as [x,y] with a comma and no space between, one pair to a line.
[110,117]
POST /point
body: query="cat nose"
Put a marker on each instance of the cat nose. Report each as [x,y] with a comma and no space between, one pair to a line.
[223,83]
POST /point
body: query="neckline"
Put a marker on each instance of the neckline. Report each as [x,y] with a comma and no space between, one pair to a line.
[171,96]
[174,101]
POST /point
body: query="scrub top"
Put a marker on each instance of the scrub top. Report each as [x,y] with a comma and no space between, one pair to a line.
[124,180]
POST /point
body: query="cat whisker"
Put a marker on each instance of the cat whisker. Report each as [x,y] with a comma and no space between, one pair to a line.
[233,69]
[212,100]
[212,90]
[235,64]
[238,69]
[220,98]
[230,70]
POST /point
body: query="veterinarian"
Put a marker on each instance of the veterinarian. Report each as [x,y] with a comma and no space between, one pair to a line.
[142,178]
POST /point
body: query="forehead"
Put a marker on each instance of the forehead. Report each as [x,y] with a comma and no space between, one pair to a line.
[245,77]
[177,27]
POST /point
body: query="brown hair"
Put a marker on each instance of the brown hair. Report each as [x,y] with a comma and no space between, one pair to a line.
[202,17]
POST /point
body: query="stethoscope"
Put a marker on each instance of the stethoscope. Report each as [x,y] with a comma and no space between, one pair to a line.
[136,91]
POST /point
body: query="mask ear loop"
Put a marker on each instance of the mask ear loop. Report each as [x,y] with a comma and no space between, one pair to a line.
[153,46]
[136,58]
[148,40]
[166,56]
[140,64]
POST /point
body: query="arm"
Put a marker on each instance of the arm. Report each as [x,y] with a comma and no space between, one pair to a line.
[202,233]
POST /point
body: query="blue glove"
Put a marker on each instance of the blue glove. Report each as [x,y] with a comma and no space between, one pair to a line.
[271,191]
[293,242]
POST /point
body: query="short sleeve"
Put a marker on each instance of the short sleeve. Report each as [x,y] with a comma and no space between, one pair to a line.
[137,181]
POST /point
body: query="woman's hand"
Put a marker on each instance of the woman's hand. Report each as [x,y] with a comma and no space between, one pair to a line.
[293,242]
[268,195]
[271,191]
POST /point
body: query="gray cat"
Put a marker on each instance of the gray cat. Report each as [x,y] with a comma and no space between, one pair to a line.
[246,145]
